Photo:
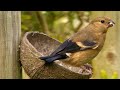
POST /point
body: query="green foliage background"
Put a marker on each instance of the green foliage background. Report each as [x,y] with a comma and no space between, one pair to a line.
[57,24]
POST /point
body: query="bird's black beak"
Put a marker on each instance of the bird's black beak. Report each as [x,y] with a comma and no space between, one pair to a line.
[111,23]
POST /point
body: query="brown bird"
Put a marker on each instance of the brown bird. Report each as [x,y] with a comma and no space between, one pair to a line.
[84,45]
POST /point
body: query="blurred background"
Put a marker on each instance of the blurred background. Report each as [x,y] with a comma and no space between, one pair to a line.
[62,24]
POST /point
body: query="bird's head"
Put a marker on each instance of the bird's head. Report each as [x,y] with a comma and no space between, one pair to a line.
[102,23]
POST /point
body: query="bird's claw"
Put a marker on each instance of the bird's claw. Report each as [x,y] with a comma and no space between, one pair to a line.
[88,66]
[86,69]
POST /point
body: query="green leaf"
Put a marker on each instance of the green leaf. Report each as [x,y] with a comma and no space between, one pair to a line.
[103,74]
[23,27]
[25,17]
[115,75]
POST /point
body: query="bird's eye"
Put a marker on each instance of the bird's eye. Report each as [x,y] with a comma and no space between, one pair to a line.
[102,21]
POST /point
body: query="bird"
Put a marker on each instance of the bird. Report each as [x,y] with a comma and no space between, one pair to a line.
[83,46]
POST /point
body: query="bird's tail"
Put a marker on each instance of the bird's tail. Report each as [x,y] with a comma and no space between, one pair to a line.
[50,59]
[44,58]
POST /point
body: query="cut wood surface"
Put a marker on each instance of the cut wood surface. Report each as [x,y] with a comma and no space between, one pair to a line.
[34,45]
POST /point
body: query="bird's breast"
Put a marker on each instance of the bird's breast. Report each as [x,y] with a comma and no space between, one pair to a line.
[79,58]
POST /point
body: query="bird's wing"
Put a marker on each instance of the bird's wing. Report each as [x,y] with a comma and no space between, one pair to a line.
[69,47]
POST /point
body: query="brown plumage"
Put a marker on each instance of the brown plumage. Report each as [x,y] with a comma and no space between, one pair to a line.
[84,45]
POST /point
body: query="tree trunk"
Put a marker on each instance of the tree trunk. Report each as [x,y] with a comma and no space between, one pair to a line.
[10,30]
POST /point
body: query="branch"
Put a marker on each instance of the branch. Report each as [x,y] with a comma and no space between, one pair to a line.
[43,22]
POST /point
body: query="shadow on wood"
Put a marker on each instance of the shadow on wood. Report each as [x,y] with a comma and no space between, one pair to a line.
[34,45]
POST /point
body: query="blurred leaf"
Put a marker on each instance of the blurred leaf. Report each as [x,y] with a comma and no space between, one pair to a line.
[23,27]
[25,17]
[103,74]
[115,75]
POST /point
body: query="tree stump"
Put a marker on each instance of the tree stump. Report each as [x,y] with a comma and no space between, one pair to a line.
[34,45]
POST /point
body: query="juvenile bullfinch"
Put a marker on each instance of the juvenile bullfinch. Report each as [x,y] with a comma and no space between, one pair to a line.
[84,45]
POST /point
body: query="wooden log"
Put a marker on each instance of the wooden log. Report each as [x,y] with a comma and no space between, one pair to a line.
[34,45]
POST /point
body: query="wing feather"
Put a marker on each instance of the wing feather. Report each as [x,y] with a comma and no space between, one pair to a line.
[69,47]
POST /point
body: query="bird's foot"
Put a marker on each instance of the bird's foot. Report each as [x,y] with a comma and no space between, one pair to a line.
[88,66]
[86,69]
